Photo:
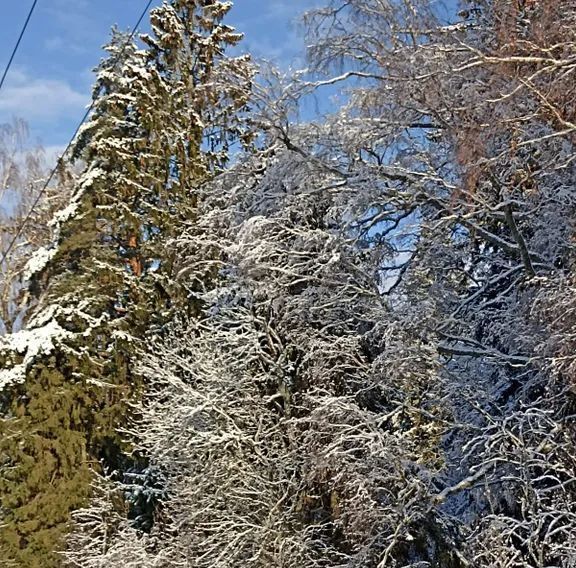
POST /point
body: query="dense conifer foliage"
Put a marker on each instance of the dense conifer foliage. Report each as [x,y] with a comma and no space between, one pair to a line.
[107,281]
[358,333]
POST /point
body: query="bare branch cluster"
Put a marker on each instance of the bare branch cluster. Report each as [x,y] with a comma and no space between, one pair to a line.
[382,374]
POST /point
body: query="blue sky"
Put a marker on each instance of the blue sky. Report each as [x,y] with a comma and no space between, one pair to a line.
[49,83]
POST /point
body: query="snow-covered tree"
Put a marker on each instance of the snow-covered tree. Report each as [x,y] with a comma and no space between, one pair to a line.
[23,173]
[164,117]
[491,184]
[382,371]
[359,343]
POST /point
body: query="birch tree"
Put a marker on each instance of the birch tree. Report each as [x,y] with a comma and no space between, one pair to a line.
[23,173]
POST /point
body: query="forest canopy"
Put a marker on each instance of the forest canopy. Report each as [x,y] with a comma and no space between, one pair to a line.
[233,337]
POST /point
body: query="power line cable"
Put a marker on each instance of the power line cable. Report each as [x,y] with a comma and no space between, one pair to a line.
[22,32]
[69,145]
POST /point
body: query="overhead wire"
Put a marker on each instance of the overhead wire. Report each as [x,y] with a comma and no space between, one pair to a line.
[69,145]
[22,32]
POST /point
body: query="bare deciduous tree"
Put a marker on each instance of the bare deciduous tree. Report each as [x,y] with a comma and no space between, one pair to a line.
[383,373]
[23,171]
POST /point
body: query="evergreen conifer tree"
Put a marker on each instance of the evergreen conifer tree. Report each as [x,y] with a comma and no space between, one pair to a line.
[163,119]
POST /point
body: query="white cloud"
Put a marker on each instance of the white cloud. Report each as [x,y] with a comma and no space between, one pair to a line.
[39,99]
[62,44]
